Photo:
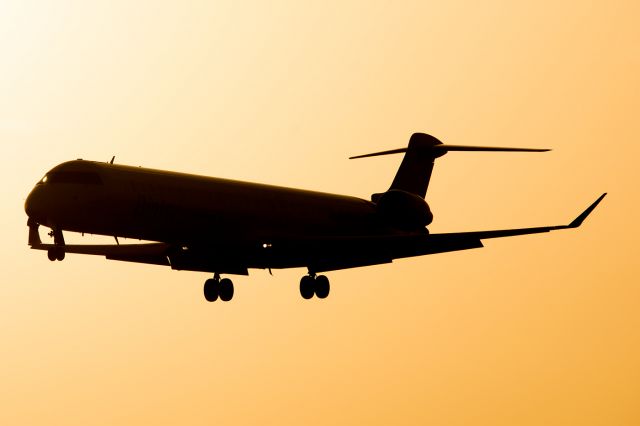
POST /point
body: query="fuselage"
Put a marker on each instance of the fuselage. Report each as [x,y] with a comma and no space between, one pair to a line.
[156,205]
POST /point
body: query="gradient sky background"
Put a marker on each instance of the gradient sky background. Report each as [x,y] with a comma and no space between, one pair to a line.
[529,331]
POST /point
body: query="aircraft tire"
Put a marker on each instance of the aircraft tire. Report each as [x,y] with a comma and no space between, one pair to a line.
[226,289]
[211,290]
[51,254]
[322,287]
[60,254]
[307,286]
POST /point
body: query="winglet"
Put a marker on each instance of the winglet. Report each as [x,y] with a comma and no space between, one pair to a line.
[578,220]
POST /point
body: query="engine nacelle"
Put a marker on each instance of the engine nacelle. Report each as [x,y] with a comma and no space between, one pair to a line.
[403,210]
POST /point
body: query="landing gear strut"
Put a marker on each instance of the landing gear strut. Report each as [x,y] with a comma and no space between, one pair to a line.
[312,284]
[216,287]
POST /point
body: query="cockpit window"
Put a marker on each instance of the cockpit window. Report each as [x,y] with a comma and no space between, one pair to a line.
[83,178]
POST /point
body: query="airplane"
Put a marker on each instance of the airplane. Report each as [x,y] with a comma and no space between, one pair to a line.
[222,226]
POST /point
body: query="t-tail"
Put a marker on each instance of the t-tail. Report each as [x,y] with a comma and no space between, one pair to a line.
[403,204]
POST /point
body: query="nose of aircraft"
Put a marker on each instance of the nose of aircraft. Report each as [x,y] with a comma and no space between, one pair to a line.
[31,205]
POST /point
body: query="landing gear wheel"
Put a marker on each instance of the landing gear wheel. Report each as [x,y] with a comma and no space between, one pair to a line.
[322,286]
[55,253]
[211,289]
[226,289]
[60,254]
[307,285]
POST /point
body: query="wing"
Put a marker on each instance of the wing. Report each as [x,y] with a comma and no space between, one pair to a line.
[319,254]
[152,253]
[354,252]
[482,235]
[177,257]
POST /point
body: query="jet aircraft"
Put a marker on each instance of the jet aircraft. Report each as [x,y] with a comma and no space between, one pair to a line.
[222,226]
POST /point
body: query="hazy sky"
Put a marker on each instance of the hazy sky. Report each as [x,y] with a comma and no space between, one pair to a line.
[529,331]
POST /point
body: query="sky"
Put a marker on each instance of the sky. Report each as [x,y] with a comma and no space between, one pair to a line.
[530,330]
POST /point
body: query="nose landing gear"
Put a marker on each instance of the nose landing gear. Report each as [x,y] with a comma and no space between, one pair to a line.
[216,287]
[57,251]
[312,284]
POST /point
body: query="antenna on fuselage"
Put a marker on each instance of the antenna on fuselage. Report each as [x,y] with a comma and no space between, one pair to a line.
[112,158]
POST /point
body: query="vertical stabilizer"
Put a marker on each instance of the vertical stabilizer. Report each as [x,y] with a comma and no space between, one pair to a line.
[415,170]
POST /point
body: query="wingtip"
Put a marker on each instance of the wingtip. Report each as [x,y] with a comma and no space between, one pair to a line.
[578,220]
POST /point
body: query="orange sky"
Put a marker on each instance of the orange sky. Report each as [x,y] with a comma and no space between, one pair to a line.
[533,330]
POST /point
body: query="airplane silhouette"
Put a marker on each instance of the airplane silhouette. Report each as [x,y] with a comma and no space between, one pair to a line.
[222,226]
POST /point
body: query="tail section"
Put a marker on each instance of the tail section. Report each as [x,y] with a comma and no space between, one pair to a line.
[414,173]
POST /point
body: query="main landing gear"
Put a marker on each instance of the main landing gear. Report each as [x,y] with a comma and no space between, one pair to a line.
[216,287]
[312,284]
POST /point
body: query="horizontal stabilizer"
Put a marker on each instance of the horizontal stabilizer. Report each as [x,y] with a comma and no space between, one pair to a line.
[439,150]
[415,170]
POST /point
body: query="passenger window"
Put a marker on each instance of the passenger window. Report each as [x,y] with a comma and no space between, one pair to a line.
[83,178]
